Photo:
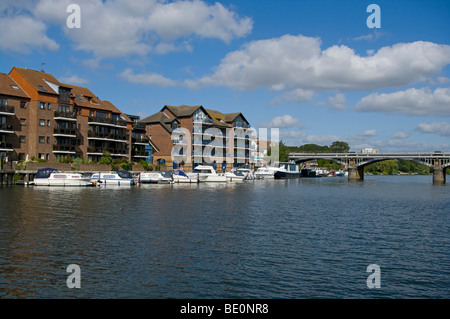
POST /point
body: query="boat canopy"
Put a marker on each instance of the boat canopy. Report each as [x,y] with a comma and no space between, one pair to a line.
[45,172]
[124,174]
[179,172]
[166,174]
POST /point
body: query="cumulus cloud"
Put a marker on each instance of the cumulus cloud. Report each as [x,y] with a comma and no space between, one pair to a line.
[438,128]
[299,62]
[73,79]
[118,28]
[338,101]
[421,102]
[285,121]
[147,78]
[400,134]
[23,34]
[370,133]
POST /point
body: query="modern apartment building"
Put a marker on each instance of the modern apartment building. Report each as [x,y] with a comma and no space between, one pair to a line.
[190,135]
[47,119]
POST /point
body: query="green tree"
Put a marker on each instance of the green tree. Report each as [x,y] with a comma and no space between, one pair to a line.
[339,147]
[106,158]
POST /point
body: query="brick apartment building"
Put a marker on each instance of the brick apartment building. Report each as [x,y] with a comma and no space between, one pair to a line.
[47,119]
[192,129]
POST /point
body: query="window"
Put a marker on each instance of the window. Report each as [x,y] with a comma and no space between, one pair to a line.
[3,102]
[47,157]
[42,88]
[41,156]
[15,87]
[42,106]
[48,106]
[22,139]
[91,113]
[23,105]
[41,122]
[21,156]
[23,122]
[79,97]
[48,139]
[48,123]
[41,139]
[64,108]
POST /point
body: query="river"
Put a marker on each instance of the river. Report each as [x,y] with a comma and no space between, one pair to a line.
[289,239]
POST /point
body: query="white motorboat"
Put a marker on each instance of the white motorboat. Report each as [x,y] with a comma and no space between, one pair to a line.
[207,173]
[53,177]
[235,176]
[120,178]
[180,176]
[266,172]
[246,170]
[159,177]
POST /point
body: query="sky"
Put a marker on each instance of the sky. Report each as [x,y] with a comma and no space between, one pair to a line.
[320,71]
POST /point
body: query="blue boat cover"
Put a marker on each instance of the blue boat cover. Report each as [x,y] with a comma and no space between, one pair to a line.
[124,174]
[45,172]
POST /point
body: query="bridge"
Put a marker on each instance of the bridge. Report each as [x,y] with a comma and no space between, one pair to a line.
[355,162]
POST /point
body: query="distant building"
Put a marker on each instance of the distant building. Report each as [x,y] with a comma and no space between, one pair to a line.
[189,129]
[369,151]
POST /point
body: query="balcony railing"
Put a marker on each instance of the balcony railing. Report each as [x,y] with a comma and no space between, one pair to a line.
[107,121]
[143,140]
[140,153]
[65,116]
[6,109]
[202,121]
[139,126]
[64,131]
[6,127]
[64,148]
[111,150]
[6,146]
[108,136]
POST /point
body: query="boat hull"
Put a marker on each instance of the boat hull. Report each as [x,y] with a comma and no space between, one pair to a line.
[286,175]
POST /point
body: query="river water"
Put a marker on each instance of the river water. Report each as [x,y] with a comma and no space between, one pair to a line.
[289,239]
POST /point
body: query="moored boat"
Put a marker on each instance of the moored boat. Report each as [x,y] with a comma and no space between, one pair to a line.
[180,176]
[266,172]
[119,178]
[235,176]
[159,177]
[53,177]
[287,171]
[207,173]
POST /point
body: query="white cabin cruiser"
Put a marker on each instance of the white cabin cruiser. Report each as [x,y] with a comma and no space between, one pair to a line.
[120,178]
[53,177]
[160,177]
[235,176]
[266,172]
[180,176]
[207,173]
[246,170]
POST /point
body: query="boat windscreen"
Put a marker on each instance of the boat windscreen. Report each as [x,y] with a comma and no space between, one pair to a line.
[45,172]
[166,174]
[181,173]
[124,174]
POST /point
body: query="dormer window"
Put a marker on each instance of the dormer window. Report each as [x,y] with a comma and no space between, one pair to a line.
[42,88]
[15,87]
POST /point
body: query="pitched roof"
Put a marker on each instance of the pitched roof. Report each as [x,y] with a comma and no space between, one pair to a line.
[160,118]
[8,87]
[39,80]
[182,110]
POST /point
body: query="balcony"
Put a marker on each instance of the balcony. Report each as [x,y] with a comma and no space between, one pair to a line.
[6,128]
[142,140]
[65,132]
[142,154]
[91,150]
[64,149]
[65,116]
[139,126]
[106,121]
[107,137]
[6,110]
[6,147]
[203,121]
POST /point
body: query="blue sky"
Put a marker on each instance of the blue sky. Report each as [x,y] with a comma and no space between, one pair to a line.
[314,69]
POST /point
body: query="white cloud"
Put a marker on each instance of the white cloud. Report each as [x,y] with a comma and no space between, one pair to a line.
[74,79]
[400,134]
[412,101]
[295,96]
[23,34]
[439,128]
[147,78]
[370,133]
[284,121]
[119,28]
[338,101]
[298,62]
